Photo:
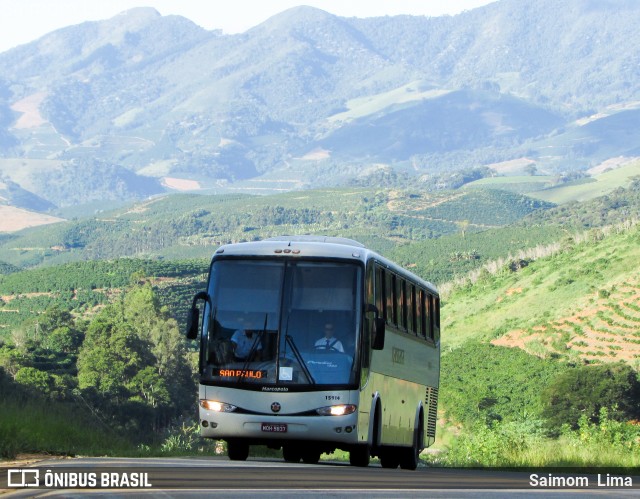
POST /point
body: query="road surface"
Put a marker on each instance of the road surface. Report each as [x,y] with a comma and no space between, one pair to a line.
[219,477]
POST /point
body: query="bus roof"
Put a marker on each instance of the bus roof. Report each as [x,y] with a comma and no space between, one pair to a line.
[315,246]
[318,239]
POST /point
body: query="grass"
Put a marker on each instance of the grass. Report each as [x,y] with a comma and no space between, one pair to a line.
[365,106]
[515,183]
[524,444]
[605,183]
[39,425]
[547,453]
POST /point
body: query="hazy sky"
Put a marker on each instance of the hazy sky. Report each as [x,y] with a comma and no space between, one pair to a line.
[22,21]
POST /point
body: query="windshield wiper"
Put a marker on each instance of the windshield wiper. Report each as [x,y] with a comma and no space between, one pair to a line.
[296,352]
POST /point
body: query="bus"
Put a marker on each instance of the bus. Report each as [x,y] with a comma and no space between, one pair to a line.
[311,344]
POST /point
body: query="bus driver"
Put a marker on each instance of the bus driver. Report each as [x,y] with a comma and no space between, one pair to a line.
[328,342]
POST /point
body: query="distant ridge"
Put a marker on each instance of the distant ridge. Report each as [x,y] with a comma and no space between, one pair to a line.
[161,97]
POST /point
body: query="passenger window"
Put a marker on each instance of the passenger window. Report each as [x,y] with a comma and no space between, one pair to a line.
[413,327]
[428,317]
[389,294]
[420,319]
[436,319]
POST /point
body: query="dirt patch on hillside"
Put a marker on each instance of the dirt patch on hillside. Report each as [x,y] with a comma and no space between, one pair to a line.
[13,219]
[181,184]
[9,298]
[398,201]
[606,331]
[30,109]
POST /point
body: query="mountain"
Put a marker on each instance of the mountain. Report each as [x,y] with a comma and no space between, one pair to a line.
[155,103]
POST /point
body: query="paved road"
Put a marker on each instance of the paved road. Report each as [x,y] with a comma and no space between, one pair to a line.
[219,477]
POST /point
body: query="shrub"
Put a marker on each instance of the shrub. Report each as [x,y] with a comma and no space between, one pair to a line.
[585,390]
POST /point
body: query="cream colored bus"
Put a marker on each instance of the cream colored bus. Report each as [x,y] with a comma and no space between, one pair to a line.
[312,344]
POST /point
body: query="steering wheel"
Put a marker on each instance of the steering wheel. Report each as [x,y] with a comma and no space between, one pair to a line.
[323,348]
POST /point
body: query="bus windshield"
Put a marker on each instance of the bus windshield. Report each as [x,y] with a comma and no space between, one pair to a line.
[282,322]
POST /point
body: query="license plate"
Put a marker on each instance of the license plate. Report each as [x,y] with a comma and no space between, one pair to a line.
[274,428]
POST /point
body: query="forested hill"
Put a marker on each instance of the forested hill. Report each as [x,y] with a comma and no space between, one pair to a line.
[188,225]
[142,103]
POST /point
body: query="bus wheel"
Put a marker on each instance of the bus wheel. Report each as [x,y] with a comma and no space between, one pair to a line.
[410,457]
[311,456]
[389,458]
[292,453]
[359,456]
[237,451]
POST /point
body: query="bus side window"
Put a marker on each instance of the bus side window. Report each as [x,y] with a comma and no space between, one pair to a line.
[398,302]
[408,300]
[421,327]
[428,316]
[413,326]
[436,319]
[404,299]
[394,299]
[390,280]
[380,293]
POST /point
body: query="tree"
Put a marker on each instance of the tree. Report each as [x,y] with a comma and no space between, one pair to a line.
[64,340]
[34,378]
[161,333]
[587,389]
[110,356]
[134,357]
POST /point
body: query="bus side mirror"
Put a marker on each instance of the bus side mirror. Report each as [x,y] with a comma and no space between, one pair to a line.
[378,334]
[377,342]
[193,319]
[193,316]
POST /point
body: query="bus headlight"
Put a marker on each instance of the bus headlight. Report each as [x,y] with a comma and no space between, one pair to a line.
[215,406]
[337,410]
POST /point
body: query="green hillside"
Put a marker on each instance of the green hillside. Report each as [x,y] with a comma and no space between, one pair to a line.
[559,190]
[603,184]
[530,345]
[522,184]
[191,226]
[557,304]
[85,287]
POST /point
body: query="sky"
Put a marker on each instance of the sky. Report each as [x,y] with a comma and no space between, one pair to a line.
[23,21]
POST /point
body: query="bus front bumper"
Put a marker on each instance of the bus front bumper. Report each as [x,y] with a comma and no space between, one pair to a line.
[219,425]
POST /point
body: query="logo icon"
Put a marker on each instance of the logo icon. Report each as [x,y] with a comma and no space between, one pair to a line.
[275,407]
[23,478]
[397,355]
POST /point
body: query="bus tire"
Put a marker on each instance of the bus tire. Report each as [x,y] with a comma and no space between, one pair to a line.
[311,456]
[291,453]
[237,451]
[389,458]
[359,455]
[410,456]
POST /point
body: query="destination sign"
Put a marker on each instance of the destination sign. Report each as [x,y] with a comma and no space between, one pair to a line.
[241,373]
